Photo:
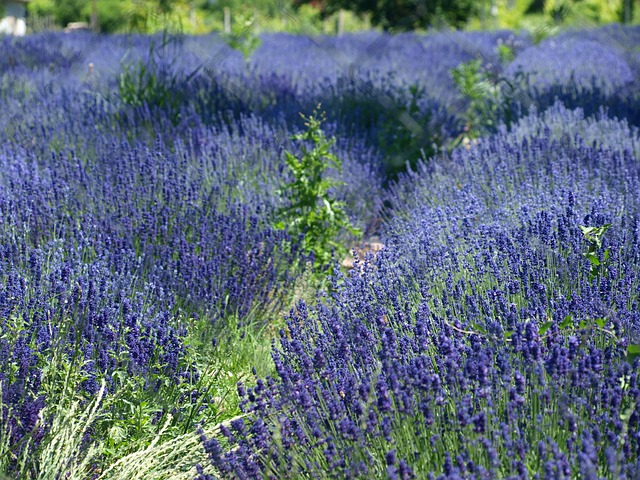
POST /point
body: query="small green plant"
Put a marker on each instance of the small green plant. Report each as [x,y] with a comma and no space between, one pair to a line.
[473,82]
[505,53]
[243,38]
[153,82]
[311,211]
[490,95]
[594,235]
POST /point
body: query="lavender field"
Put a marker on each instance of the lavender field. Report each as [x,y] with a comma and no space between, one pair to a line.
[172,307]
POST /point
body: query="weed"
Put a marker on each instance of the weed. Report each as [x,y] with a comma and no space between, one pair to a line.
[490,96]
[243,38]
[594,236]
[311,210]
[153,82]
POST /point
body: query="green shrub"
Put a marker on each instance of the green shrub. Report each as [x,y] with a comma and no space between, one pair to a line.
[491,96]
[310,210]
[243,38]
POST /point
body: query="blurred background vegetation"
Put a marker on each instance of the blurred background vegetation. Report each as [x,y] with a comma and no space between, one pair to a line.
[324,16]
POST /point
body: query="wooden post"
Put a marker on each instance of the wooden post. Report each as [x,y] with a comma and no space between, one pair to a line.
[94,16]
[227,20]
[341,22]
[192,14]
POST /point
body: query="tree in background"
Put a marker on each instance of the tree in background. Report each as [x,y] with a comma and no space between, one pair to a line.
[402,14]
[595,11]
[201,16]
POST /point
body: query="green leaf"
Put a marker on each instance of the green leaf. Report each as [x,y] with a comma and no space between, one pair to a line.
[593,258]
[600,322]
[479,328]
[544,327]
[586,230]
[566,322]
[633,349]
[625,416]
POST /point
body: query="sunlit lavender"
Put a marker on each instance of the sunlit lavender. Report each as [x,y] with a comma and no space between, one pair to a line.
[491,329]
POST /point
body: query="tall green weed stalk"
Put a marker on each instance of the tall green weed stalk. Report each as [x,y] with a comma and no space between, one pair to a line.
[311,211]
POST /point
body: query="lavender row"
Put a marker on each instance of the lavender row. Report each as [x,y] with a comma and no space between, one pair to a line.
[476,344]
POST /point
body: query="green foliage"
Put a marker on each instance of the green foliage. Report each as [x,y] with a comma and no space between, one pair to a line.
[41,8]
[633,351]
[489,95]
[148,16]
[475,85]
[163,459]
[597,263]
[61,455]
[144,16]
[243,37]
[472,81]
[580,12]
[400,15]
[511,13]
[311,211]
[163,452]
[67,11]
[153,82]
[505,52]
[112,14]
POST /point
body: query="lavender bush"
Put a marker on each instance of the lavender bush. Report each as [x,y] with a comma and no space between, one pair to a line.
[565,68]
[476,322]
[141,277]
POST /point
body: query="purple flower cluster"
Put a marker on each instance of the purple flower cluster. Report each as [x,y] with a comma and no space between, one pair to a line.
[39,52]
[124,216]
[474,345]
[587,63]
[114,235]
[590,69]
[90,313]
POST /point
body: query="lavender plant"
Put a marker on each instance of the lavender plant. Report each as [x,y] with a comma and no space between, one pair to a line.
[437,358]
[138,251]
